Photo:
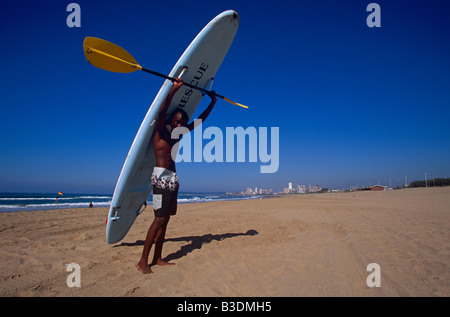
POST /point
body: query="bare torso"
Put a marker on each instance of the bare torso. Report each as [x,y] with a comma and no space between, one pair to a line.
[163,144]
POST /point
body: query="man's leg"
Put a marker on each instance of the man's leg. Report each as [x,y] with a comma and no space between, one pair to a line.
[160,236]
[155,227]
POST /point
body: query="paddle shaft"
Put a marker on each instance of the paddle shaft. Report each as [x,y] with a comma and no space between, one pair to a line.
[131,65]
[173,79]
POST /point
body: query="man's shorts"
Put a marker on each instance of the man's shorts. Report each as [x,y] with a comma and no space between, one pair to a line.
[165,192]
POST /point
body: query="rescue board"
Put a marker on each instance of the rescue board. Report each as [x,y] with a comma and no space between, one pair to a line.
[196,66]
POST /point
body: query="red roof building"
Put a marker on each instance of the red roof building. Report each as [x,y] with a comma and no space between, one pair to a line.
[378,187]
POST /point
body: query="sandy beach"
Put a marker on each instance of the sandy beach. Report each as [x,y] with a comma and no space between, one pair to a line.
[298,245]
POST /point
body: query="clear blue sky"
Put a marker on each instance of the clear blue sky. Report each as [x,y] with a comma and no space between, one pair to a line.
[354,105]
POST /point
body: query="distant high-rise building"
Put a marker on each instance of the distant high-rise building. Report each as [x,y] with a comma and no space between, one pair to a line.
[301,189]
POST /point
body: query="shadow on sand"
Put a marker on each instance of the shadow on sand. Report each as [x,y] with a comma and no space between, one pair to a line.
[195,242]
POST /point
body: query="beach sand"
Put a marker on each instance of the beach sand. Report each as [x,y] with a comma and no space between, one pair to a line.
[298,245]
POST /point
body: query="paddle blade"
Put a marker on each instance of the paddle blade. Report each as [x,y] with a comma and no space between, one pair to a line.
[109,56]
[235,103]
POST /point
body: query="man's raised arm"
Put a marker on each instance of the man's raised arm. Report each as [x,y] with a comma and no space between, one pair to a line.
[161,121]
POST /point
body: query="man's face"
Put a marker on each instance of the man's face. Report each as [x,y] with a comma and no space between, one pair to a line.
[178,121]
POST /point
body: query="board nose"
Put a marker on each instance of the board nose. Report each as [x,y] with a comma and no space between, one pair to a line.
[235,15]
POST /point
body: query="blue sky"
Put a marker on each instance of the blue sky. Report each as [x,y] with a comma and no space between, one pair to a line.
[354,105]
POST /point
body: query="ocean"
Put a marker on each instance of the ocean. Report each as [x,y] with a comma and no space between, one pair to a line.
[10,202]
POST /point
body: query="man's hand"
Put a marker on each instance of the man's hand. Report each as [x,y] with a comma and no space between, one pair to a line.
[177,83]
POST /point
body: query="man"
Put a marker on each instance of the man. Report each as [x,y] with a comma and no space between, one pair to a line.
[164,179]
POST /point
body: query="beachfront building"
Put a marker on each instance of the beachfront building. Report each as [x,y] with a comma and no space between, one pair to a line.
[256,191]
[301,189]
[378,187]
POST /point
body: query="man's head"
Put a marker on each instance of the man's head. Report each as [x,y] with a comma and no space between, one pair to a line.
[178,119]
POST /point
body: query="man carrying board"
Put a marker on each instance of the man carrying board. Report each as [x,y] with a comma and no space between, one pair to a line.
[164,179]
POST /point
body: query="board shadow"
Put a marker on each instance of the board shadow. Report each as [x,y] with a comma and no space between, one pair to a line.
[195,242]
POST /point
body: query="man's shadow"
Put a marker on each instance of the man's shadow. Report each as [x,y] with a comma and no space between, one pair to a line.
[196,242]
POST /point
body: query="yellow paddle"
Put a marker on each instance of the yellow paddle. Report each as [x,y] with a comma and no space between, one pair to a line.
[109,56]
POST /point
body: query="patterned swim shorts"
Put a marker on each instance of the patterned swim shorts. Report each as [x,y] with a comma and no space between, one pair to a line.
[165,192]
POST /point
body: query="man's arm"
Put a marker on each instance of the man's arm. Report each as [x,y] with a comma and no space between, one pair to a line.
[161,121]
[207,111]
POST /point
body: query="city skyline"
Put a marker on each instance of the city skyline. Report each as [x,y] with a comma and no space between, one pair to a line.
[309,188]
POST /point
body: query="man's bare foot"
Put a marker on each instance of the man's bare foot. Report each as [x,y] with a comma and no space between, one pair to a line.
[161,262]
[144,268]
